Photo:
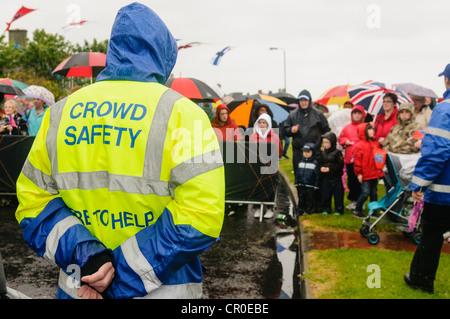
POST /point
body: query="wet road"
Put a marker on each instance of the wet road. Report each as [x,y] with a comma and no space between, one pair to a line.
[251,261]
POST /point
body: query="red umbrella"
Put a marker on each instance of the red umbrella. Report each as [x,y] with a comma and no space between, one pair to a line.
[83,64]
[193,89]
[337,95]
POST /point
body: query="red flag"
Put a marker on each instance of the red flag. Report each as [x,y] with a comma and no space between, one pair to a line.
[19,14]
[419,134]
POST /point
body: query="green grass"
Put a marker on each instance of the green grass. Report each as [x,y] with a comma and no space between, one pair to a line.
[344,274]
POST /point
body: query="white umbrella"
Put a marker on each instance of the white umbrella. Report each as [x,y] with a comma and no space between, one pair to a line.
[40,92]
[415,89]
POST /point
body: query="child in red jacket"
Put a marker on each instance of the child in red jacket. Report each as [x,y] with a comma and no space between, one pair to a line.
[365,168]
[348,140]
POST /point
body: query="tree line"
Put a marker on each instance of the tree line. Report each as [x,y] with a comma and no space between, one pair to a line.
[33,64]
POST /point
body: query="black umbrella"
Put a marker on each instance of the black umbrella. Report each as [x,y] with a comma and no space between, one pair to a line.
[9,89]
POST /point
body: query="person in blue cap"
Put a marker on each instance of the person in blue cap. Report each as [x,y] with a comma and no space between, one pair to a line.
[307,124]
[307,180]
[431,183]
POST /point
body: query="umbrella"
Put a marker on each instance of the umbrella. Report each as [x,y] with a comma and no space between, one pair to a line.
[193,89]
[339,119]
[415,89]
[9,89]
[15,83]
[267,98]
[40,92]
[370,95]
[240,111]
[83,65]
[337,95]
[286,97]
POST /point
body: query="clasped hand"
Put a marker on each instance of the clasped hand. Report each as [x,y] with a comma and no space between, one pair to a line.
[97,282]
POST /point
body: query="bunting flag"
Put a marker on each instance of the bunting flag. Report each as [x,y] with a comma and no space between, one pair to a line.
[19,14]
[72,25]
[189,45]
[216,59]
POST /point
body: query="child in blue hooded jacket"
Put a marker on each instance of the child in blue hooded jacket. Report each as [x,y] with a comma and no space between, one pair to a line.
[307,180]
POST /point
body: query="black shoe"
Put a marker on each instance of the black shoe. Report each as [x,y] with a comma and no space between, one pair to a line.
[359,215]
[416,285]
[285,156]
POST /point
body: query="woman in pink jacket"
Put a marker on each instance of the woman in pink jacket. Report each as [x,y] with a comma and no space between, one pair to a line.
[348,139]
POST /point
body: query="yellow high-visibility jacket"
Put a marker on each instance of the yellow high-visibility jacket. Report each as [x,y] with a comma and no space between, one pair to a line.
[126,168]
[137,171]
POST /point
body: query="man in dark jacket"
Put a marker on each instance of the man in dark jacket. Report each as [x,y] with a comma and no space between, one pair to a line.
[306,124]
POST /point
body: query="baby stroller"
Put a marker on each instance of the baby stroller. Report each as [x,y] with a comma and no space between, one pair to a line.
[397,203]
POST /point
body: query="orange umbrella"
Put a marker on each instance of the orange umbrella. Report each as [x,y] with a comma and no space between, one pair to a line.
[337,95]
[241,114]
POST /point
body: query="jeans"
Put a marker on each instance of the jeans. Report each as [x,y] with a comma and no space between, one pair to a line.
[369,188]
[435,222]
[287,141]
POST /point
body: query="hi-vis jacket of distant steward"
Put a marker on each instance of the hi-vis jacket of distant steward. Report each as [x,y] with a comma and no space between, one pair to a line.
[432,173]
[130,166]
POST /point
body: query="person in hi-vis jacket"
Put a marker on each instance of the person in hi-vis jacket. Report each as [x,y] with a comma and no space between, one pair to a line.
[124,185]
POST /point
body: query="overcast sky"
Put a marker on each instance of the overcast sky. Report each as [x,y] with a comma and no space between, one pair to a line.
[326,42]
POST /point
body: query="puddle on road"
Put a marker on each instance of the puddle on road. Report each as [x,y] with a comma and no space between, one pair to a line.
[253,259]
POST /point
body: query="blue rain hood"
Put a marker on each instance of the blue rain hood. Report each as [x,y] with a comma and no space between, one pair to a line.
[141,47]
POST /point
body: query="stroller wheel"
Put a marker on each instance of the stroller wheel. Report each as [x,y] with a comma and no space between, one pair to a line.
[417,238]
[373,238]
[364,230]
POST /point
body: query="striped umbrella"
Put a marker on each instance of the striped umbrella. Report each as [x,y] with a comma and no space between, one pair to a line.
[370,95]
[15,83]
[337,95]
[83,65]
[193,89]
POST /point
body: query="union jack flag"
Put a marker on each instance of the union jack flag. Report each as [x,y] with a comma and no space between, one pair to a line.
[370,95]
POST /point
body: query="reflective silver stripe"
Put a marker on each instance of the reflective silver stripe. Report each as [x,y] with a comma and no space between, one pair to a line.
[420,181]
[193,167]
[70,289]
[157,135]
[102,179]
[136,260]
[439,188]
[192,290]
[136,185]
[438,132]
[307,165]
[52,242]
[52,132]
[39,178]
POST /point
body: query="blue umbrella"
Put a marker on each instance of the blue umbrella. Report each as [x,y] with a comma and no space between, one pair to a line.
[279,113]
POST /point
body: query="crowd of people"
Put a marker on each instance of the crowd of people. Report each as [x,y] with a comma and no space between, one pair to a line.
[13,122]
[326,164]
